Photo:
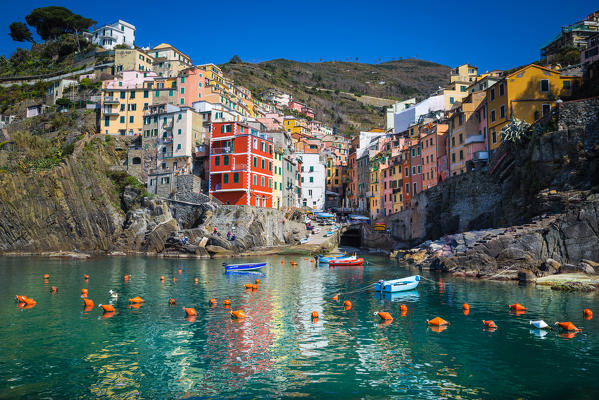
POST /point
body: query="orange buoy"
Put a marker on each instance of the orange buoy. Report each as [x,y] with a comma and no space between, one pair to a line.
[305,258]
[588,314]
[180,271]
[254,287]
[227,302]
[174,279]
[404,313]
[437,322]
[258,281]
[88,302]
[518,307]
[29,302]
[282,261]
[137,300]
[196,280]
[191,312]
[212,301]
[171,301]
[46,276]
[248,286]
[21,298]
[127,277]
[403,308]
[465,306]
[238,314]
[466,312]
[490,324]
[385,316]
[347,303]
[162,278]
[311,260]
[84,291]
[53,289]
[336,297]
[108,308]
[567,326]
[314,314]
[86,276]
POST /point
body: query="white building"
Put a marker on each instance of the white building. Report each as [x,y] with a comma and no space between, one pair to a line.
[120,32]
[395,108]
[403,119]
[313,181]
[277,97]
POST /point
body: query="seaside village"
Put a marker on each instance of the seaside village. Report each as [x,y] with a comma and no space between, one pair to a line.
[199,130]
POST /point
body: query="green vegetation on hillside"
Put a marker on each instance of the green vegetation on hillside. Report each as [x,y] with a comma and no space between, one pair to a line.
[325,86]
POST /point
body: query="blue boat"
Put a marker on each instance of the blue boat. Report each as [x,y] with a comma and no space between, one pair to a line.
[326,259]
[244,267]
[397,285]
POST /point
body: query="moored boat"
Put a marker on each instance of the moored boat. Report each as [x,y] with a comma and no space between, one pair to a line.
[349,261]
[398,285]
[244,267]
[326,259]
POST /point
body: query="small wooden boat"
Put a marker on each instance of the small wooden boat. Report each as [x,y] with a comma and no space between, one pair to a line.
[398,285]
[244,267]
[349,261]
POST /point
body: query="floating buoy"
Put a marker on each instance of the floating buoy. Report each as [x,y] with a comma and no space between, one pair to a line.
[238,314]
[180,271]
[404,313]
[466,312]
[53,289]
[212,301]
[385,316]
[311,260]
[83,291]
[305,259]
[171,301]
[191,312]
[403,308]
[540,324]
[127,277]
[162,278]
[86,276]
[46,276]
[227,302]
[21,298]
[437,322]
[136,300]
[438,328]
[490,324]
[196,280]
[258,281]
[282,261]
[347,303]
[248,286]
[254,287]
[107,308]
[29,302]
[336,297]
[567,326]
[174,279]
[588,314]
[465,306]
[518,307]
[88,302]
[314,314]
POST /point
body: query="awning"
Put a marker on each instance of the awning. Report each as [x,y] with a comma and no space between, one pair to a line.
[329,193]
[324,215]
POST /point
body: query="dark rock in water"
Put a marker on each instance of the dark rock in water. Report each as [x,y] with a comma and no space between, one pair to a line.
[526,276]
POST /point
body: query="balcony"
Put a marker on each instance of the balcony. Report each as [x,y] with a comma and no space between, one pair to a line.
[165,154]
[167,140]
[109,112]
[475,139]
[480,155]
[168,124]
[110,100]
[221,150]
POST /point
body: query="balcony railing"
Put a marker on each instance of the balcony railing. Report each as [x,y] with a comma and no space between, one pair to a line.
[167,140]
[475,139]
[111,100]
[221,150]
[165,154]
[109,112]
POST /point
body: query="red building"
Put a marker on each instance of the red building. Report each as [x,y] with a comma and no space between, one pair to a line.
[241,165]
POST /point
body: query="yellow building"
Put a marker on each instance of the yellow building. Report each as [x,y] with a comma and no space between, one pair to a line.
[374,196]
[464,73]
[397,179]
[168,61]
[164,91]
[527,94]
[124,101]
[132,60]
[277,192]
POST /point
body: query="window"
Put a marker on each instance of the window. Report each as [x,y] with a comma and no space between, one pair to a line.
[492,115]
[255,179]
[122,95]
[407,172]
[182,90]
[451,100]
[501,89]
[453,141]
[178,131]
[492,94]
[452,157]
[566,84]
[106,121]
[502,112]
[182,101]
[461,155]
[182,79]
[413,170]
[262,181]
[122,119]
[462,88]
[170,92]
[122,107]
[262,163]
[217,161]
[179,147]
[546,109]
[270,165]
[132,96]
[225,160]
[407,188]
[311,179]
[494,136]
[225,178]
[131,119]
[236,177]
[544,85]
[255,162]
[415,187]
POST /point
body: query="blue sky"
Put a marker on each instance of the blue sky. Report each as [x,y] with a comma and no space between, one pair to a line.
[490,35]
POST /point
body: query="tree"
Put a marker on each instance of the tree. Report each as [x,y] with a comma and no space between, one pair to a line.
[51,22]
[235,60]
[20,33]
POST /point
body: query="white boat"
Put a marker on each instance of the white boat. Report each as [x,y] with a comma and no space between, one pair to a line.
[398,285]
[304,240]
[540,324]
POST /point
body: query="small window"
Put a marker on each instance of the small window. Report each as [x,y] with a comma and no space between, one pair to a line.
[236,177]
[217,161]
[494,136]
[225,178]
[492,94]
[492,115]
[451,100]
[546,109]
[544,85]
[566,85]
[225,160]
[502,112]
[501,89]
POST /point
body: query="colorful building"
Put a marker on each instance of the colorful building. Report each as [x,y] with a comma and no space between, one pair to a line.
[132,60]
[277,192]
[168,61]
[464,136]
[433,138]
[241,165]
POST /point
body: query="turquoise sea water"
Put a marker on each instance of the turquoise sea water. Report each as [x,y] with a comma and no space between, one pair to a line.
[58,350]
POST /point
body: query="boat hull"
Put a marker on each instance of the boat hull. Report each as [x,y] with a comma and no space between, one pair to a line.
[346,262]
[327,259]
[244,267]
[398,285]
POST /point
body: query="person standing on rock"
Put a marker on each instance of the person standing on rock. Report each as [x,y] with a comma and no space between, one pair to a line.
[229,235]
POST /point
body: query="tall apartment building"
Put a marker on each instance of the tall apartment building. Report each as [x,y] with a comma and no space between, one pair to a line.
[111,35]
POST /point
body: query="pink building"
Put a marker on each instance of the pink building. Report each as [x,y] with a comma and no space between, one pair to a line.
[294,105]
[416,166]
[191,86]
[130,80]
[272,122]
[432,139]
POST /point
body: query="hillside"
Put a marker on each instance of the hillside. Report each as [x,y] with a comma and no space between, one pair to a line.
[346,83]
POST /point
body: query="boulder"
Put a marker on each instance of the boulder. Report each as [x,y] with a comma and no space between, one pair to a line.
[591,263]
[525,275]
[220,251]
[586,268]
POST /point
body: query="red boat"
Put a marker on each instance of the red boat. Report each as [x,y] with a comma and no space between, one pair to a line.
[343,262]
